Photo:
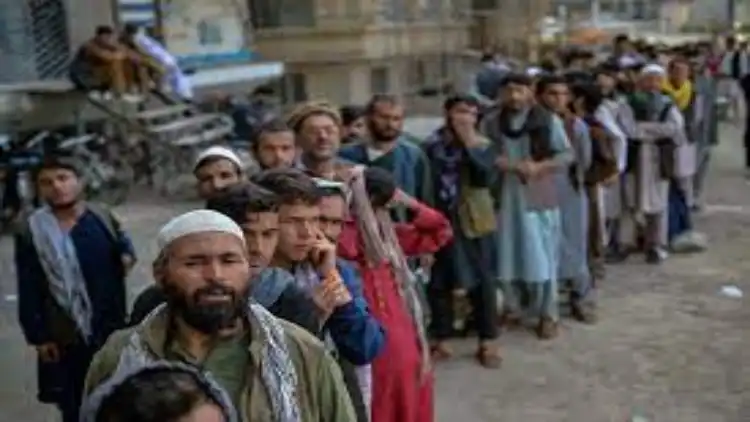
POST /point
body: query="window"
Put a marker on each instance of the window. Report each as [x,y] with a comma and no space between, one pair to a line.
[209,33]
[282,13]
[293,88]
[393,11]
[379,83]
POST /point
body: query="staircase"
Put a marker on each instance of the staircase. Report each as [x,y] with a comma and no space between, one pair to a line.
[171,136]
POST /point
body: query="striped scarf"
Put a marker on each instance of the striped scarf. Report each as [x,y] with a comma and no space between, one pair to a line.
[381,245]
[277,371]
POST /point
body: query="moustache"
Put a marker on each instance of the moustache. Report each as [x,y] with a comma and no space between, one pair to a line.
[215,289]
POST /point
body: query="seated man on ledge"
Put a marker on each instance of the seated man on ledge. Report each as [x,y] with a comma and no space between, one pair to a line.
[104,64]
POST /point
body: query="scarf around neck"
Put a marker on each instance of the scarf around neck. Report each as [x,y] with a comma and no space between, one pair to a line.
[59,261]
[277,369]
[448,157]
[682,96]
[381,245]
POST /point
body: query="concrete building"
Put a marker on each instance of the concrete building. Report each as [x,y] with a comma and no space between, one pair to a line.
[346,50]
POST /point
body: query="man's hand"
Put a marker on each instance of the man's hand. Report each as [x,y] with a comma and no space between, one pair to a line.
[530,169]
[48,352]
[503,164]
[464,124]
[330,294]
[323,254]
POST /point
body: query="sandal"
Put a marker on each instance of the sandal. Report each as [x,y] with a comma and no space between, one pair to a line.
[440,351]
[489,357]
[547,329]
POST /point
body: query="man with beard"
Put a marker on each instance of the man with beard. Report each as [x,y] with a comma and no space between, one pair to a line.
[658,130]
[317,127]
[256,211]
[274,145]
[387,148]
[613,113]
[215,169]
[269,369]
[71,259]
[531,146]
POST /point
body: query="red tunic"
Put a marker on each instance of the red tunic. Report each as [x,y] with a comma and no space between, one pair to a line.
[397,393]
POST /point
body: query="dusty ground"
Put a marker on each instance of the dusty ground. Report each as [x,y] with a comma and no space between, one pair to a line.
[669,347]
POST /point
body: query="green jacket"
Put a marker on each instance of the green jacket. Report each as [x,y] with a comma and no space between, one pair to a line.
[321,390]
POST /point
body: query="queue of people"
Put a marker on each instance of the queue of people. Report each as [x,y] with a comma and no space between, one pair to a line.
[324,285]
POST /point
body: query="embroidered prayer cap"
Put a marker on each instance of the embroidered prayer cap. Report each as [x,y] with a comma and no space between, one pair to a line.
[653,69]
[303,111]
[198,221]
[217,152]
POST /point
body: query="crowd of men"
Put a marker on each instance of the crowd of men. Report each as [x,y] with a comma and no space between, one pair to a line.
[323,285]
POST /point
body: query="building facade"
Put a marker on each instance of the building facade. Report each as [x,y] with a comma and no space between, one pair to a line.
[346,50]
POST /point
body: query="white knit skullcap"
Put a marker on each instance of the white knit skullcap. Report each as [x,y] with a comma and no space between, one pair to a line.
[217,152]
[534,71]
[198,221]
[653,69]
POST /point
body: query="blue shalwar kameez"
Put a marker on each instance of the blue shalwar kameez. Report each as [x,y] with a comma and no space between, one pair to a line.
[528,239]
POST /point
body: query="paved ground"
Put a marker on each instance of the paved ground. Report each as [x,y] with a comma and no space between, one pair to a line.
[669,347]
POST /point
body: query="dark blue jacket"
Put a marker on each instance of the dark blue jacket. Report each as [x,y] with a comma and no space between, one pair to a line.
[357,335]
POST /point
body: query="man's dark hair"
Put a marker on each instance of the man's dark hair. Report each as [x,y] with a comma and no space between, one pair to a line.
[104,30]
[377,99]
[457,99]
[516,78]
[130,28]
[380,186]
[487,57]
[590,95]
[549,80]
[245,198]
[155,395]
[275,125]
[731,42]
[292,186]
[350,114]
[621,38]
[58,161]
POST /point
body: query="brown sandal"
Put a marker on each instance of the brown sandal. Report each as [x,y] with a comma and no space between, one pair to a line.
[489,357]
[582,313]
[440,351]
[547,329]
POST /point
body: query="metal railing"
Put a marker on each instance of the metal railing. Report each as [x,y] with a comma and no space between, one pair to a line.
[33,40]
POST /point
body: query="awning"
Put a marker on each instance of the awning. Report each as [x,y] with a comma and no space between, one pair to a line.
[254,72]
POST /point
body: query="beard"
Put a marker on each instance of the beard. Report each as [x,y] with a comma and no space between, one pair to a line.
[384,136]
[207,317]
